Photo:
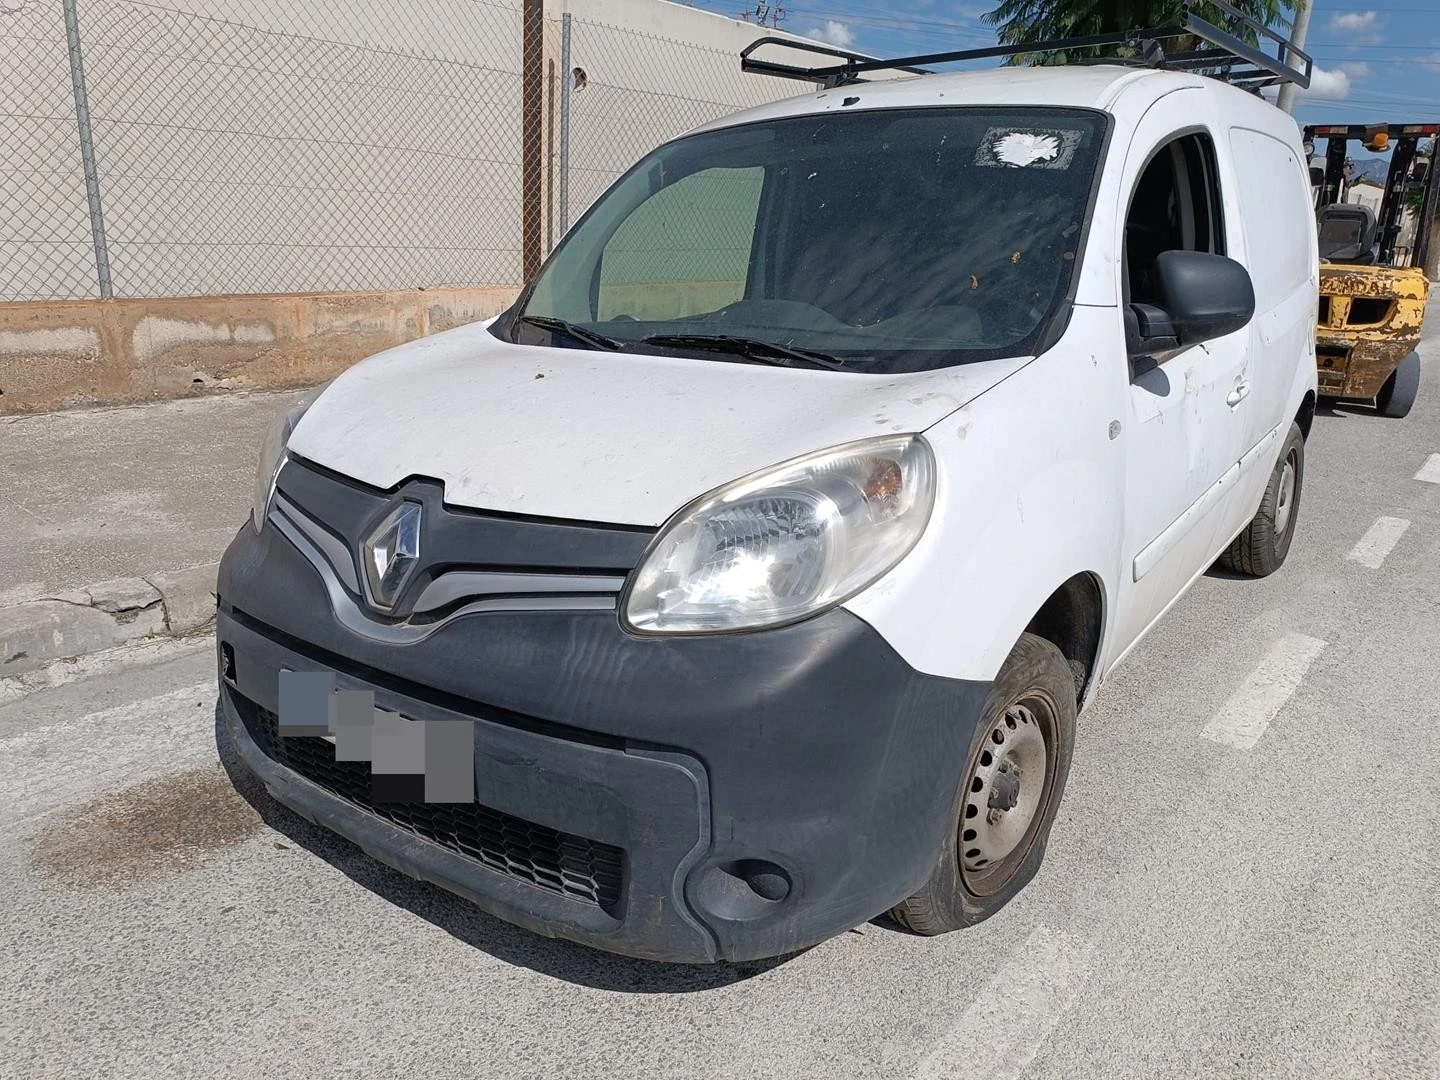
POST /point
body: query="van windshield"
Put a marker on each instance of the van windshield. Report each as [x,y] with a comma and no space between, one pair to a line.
[882,241]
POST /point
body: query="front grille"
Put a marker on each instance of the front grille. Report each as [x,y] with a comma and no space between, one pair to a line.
[470,562]
[558,862]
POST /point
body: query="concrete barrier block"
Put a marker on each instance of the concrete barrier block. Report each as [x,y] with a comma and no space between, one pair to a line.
[189,597]
[35,633]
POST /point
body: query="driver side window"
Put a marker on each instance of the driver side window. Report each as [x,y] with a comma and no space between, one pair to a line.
[683,251]
[1176,207]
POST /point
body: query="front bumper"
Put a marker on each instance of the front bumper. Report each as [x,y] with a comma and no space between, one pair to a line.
[683,800]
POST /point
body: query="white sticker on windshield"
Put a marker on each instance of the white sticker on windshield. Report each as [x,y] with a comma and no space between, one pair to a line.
[1027,148]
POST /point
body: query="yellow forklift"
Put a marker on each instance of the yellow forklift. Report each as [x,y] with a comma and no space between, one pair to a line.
[1373,286]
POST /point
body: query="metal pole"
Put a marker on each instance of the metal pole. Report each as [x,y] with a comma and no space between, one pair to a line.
[1285,99]
[567,84]
[87,149]
[532,137]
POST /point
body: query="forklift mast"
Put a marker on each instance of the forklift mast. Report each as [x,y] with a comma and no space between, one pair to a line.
[1403,140]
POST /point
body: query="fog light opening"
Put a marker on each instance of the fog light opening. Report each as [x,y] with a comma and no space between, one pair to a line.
[742,889]
[766,880]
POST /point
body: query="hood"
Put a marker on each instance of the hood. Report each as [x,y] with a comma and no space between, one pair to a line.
[600,436]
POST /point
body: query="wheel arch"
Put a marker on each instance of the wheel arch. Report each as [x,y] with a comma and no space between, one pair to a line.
[1073,620]
[1306,415]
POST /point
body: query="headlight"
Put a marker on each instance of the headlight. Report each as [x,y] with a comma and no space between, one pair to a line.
[783,544]
[272,456]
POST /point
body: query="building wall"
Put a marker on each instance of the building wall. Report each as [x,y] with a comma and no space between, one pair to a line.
[289,187]
[654,70]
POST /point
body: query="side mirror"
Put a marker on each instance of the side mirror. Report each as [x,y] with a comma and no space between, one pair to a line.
[1200,297]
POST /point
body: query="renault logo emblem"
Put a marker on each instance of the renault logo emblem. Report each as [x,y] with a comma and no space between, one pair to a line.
[391,554]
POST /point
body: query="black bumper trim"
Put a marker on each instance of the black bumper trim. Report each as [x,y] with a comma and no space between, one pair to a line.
[559,862]
[813,749]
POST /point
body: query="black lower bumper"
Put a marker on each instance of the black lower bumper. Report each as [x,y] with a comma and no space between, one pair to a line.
[683,800]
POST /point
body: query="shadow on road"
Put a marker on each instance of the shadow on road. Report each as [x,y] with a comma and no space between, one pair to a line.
[1339,409]
[464,921]
[1327,409]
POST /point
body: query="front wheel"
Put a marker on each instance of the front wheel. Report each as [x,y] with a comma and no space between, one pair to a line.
[1007,800]
[1261,548]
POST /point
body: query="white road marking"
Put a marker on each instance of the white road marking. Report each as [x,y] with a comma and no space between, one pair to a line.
[108,662]
[1244,718]
[53,766]
[1004,1028]
[1430,471]
[1378,542]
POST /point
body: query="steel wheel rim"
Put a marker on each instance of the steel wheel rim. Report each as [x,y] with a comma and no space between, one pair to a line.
[1285,497]
[1006,793]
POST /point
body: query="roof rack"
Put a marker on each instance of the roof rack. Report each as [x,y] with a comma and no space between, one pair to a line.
[1229,56]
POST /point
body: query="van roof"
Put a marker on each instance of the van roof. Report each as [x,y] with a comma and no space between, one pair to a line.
[1093,86]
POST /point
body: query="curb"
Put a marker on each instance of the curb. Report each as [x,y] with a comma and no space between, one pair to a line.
[103,616]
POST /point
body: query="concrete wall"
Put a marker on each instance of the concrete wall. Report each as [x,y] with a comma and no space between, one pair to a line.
[270,159]
[67,353]
[263,146]
[654,70]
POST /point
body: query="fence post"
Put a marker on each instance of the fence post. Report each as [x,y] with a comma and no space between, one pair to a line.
[87,149]
[567,86]
[532,136]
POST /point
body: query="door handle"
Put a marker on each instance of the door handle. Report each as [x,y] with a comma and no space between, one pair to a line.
[1238,394]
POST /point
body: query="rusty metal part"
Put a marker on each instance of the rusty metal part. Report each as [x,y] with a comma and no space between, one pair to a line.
[1370,320]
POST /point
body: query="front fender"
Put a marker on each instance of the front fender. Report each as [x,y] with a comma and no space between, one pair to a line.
[1030,494]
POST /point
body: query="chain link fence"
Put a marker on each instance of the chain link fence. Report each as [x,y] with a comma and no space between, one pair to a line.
[245,146]
[633,91]
[262,146]
[45,241]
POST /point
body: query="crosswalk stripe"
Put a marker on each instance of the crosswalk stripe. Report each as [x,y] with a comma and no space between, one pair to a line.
[1003,1029]
[45,768]
[1378,542]
[1244,718]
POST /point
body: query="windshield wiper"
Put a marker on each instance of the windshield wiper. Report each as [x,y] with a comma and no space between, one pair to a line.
[764,352]
[592,338]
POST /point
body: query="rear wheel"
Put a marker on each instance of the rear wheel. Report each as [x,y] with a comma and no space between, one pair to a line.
[1261,549]
[1397,396]
[1019,760]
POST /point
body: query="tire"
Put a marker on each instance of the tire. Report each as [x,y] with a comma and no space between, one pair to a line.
[1032,703]
[1261,548]
[1397,396]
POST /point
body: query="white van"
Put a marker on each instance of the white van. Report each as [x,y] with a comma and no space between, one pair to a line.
[770,544]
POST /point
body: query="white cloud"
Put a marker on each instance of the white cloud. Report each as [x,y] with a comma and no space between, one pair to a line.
[833,32]
[1432,61]
[1349,22]
[1331,84]
[1328,85]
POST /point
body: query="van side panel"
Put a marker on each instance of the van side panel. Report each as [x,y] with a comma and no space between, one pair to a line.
[1273,187]
[1275,203]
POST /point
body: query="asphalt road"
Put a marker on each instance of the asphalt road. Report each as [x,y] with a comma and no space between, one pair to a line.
[1242,880]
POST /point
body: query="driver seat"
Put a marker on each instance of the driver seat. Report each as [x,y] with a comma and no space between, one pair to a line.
[1347,233]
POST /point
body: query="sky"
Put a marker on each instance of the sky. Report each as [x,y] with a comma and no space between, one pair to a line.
[1372,62]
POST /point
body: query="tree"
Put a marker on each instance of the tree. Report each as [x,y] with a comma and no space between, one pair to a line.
[1021,21]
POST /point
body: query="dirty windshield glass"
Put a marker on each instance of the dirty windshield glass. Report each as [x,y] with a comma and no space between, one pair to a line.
[880,241]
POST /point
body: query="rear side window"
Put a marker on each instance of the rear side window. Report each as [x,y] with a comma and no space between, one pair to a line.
[1176,206]
[1275,194]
